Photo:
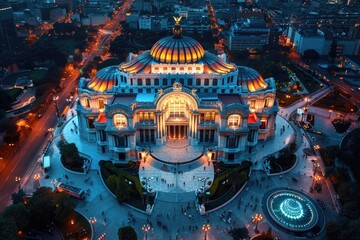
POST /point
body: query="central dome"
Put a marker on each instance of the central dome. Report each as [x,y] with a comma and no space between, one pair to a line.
[177,49]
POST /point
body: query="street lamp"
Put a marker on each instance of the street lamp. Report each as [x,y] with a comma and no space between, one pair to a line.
[330,111]
[206,228]
[37,176]
[145,229]
[56,98]
[92,220]
[256,219]
[51,130]
[54,181]
[18,179]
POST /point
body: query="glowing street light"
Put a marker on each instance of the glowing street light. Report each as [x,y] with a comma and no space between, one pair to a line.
[51,130]
[92,220]
[256,219]
[37,176]
[56,99]
[206,228]
[145,229]
[18,179]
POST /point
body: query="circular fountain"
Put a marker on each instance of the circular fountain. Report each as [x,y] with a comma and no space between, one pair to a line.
[292,210]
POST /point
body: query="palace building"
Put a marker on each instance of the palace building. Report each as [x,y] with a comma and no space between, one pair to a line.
[177,91]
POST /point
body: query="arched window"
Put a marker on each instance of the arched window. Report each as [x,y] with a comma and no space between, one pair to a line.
[177,108]
[120,120]
[234,120]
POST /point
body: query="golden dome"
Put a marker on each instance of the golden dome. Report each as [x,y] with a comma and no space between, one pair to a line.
[105,79]
[250,80]
[177,49]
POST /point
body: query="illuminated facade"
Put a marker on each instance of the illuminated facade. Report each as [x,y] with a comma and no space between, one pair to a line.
[177,91]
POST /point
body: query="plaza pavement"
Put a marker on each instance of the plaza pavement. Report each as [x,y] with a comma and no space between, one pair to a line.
[174,215]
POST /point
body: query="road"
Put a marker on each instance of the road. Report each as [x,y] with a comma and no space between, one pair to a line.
[25,155]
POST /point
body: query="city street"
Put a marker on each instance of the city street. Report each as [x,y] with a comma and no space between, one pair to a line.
[23,158]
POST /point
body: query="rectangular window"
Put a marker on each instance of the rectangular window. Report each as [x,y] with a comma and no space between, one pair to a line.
[231,142]
[156,82]
[181,81]
[139,82]
[87,102]
[189,81]
[251,136]
[140,90]
[102,136]
[120,141]
[148,82]
[148,90]
[206,83]
[165,81]
[172,81]
[266,104]
[198,82]
[263,124]
[131,81]
[215,82]
[252,103]
[101,104]
[91,121]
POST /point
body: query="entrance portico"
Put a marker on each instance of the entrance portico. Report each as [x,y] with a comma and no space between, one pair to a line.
[176,116]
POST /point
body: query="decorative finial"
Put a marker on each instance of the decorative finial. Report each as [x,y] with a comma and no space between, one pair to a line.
[177,30]
[177,20]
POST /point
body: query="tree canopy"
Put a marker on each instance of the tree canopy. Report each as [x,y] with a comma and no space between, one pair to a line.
[127,233]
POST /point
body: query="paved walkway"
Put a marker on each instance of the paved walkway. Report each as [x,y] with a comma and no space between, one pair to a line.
[174,215]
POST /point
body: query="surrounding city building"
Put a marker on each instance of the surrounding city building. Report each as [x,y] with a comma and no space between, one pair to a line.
[177,91]
[7,28]
[248,35]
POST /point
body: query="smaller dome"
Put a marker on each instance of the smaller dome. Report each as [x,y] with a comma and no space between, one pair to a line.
[105,79]
[250,80]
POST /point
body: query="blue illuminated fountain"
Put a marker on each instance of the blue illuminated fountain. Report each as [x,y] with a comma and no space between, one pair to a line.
[292,210]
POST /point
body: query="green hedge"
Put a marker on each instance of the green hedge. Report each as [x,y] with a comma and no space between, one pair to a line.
[126,171]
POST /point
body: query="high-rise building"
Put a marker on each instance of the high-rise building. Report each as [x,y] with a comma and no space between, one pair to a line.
[7,28]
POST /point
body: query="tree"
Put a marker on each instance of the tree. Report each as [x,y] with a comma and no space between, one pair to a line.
[310,54]
[127,233]
[239,233]
[70,156]
[18,197]
[122,189]
[7,229]
[333,229]
[19,214]
[41,207]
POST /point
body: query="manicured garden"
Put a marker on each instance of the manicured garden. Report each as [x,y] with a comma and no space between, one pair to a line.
[38,76]
[70,157]
[13,93]
[228,180]
[285,160]
[123,181]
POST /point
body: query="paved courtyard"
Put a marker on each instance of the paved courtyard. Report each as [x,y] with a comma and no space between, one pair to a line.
[174,215]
